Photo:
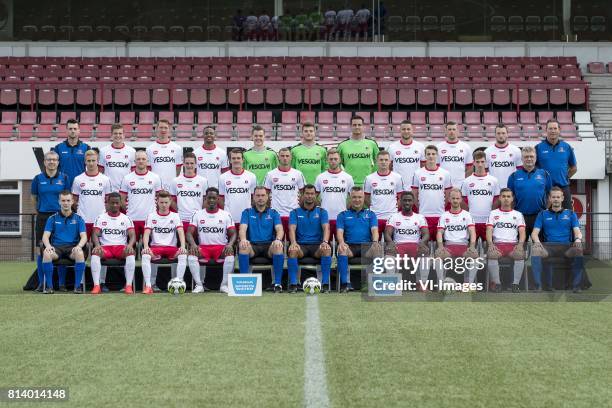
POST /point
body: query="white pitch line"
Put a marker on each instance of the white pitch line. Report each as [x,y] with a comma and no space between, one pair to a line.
[315,380]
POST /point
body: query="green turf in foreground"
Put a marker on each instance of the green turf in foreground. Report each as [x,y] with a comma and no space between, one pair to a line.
[211,350]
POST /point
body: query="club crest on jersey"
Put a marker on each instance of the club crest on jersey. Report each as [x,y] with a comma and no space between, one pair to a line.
[422,178]
[275,179]
[443,152]
[220,221]
[471,184]
[171,221]
[496,217]
[228,183]
[202,221]
[150,182]
[342,181]
[398,223]
[122,223]
[155,152]
[200,158]
[82,185]
[132,183]
[440,178]
[125,157]
[447,220]
[104,223]
[374,184]
[154,221]
[108,156]
[99,184]
[493,156]
[179,185]
[398,153]
[324,181]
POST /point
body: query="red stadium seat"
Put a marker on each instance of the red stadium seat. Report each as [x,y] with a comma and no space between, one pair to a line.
[9,118]
[528,118]
[472,118]
[85,95]
[205,118]
[123,97]
[143,131]
[274,91]
[365,116]
[388,91]
[65,98]
[244,117]
[225,117]
[46,97]
[8,97]
[28,118]
[264,118]
[159,97]
[490,118]
[456,117]
[312,92]
[331,92]
[407,92]
[531,132]
[425,92]
[565,118]
[399,117]
[293,92]
[146,118]
[185,131]
[596,68]
[463,96]
[577,96]
[185,118]
[7,131]
[482,96]
[508,118]
[368,93]
[544,116]
[236,93]
[436,131]
[180,97]
[343,118]
[514,132]
[568,131]
[169,116]
[255,90]
[306,116]
[475,131]
[538,96]
[218,91]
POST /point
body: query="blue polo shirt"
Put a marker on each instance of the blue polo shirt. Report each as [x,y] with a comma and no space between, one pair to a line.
[71,159]
[47,190]
[556,160]
[357,225]
[530,190]
[261,224]
[557,226]
[65,231]
[308,224]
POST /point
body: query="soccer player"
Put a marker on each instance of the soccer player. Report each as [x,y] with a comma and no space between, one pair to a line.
[382,190]
[503,158]
[456,236]
[165,156]
[71,152]
[138,190]
[505,238]
[530,187]
[481,193]
[90,189]
[407,234]
[117,158]
[407,154]
[260,159]
[557,157]
[334,187]
[560,230]
[358,154]
[309,236]
[431,185]
[45,190]
[113,238]
[64,238]
[261,234]
[236,187]
[308,156]
[211,160]
[355,227]
[216,236]
[454,155]
[188,190]
[159,241]
[285,185]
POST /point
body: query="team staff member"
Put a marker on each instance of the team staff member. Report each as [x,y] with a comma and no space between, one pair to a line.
[45,191]
[358,154]
[563,239]
[355,227]
[261,234]
[557,158]
[64,238]
[309,236]
[259,159]
[530,187]
[308,156]
[72,152]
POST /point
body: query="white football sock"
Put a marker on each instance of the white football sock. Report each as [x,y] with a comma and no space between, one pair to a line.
[518,271]
[154,275]
[194,269]
[494,271]
[130,267]
[228,267]
[440,272]
[95,269]
[146,269]
[423,271]
[471,274]
[181,266]
[103,275]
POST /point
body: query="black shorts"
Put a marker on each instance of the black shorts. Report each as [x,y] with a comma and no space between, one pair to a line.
[355,249]
[260,250]
[309,250]
[64,252]
[41,221]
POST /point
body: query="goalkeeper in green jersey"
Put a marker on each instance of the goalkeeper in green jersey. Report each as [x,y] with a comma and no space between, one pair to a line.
[358,154]
[260,159]
[307,156]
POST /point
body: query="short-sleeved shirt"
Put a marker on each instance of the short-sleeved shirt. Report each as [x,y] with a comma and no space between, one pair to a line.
[310,160]
[260,162]
[334,188]
[284,187]
[530,190]
[557,226]
[261,225]
[71,158]
[65,231]
[163,228]
[113,229]
[140,190]
[432,185]
[236,190]
[407,228]
[358,158]
[480,191]
[47,190]
[406,159]
[309,224]
[357,225]
[211,163]
[189,193]
[455,226]
[212,227]
[556,160]
[383,191]
[164,158]
[454,157]
[505,225]
[92,191]
[117,163]
[502,161]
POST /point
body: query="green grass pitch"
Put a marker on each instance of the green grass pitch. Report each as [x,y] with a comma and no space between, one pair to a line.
[212,350]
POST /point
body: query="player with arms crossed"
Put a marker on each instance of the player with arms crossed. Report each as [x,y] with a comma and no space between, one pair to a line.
[259,159]
[456,236]
[358,154]
[117,158]
[211,160]
[165,156]
[236,187]
[113,238]
[505,238]
[407,154]
[216,236]
[308,156]
[502,157]
[188,190]
[159,241]
[454,155]
[382,190]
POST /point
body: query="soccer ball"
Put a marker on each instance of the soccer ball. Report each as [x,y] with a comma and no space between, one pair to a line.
[449,283]
[311,286]
[176,286]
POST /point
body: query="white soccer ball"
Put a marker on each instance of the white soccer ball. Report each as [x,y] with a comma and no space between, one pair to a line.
[311,286]
[177,286]
[448,286]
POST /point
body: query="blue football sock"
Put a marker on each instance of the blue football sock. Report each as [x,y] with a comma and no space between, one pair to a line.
[577,266]
[277,265]
[48,268]
[243,263]
[79,269]
[39,270]
[548,273]
[536,269]
[61,275]
[292,267]
[343,268]
[326,268]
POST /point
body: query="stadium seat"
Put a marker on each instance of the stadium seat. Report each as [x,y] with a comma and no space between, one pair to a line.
[544,116]
[160,97]
[435,118]
[596,68]
[185,118]
[472,118]
[388,91]
[456,117]
[293,92]
[146,118]
[368,92]
[48,118]
[508,118]
[528,118]
[331,92]
[565,118]
[169,116]
[399,117]
[125,118]
[205,118]
[490,118]
[306,116]
[8,97]
[180,97]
